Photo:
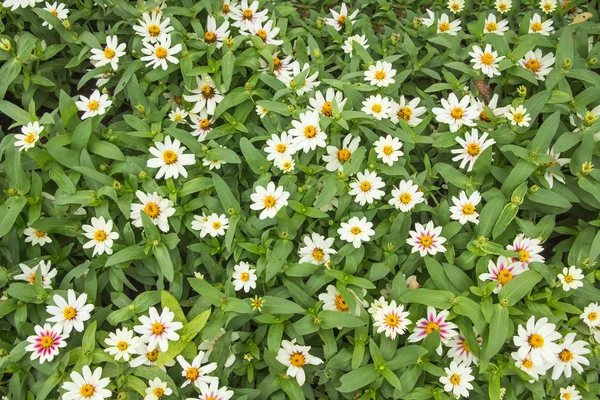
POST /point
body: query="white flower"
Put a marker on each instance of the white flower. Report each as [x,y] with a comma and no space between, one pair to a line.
[366,187]
[463,209]
[147,355]
[216,225]
[571,278]
[14,4]
[381,74]
[377,305]
[445,26]
[206,96]
[492,105]
[549,175]
[101,236]
[301,87]
[570,393]
[178,114]
[548,6]
[377,106]
[537,63]
[110,55]
[169,157]
[213,164]
[537,26]
[95,105]
[529,249]
[518,116]
[157,208]
[503,271]
[87,385]
[340,19]
[537,340]
[429,20]
[336,158]
[46,343]
[228,8]
[282,68]
[158,53]
[286,164]
[472,147]
[316,250]
[494,26]
[29,274]
[157,390]
[533,369]
[456,113]
[295,357]
[29,136]
[406,196]
[270,200]
[157,329]
[195,373]
[152,29]
[261,111]
[247,17]
[591,315]
[122,344]
[212,34]
[356,231]
[388,149]
[59,10]
[202,124]
[571,356]
[209,345]
[279,147]
[392,320]
[360,39]
[503,6]
[70,314]
[456,6]
[214,392]
[426,239]
[407,110]
[324,104]
[307,133]
[460,351]
[244,277]
[457,379]
[35,236]
[486,60]
[267,33]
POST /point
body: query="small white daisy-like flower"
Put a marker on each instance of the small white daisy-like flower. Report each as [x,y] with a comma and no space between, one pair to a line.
[308,84]
[406,196]
[14,4]
[35,236]
[502,271]
[471,148]
[456,6]
[216,225]
[392,320]
[492,105]
[486,60]
[336,158]
[548,6]
[101,236]
[243,277]
[160,53]
[212,34]
[492,25]
[286,164]
[367,187]
[228,9]
[122,344]
[158,329]
[46,343]
[460,351]
[377,305]
[324,104]
[570,393]
[295,357]
[169,157]
[267,33]
[464,209]
[537,26]
[70,313]
[537,340]
[457,379]
[280,146]
[202,124]
[360,39]
[518,116]
[87,386]
[307,133]
[214,392]
[195,373]
[29,136]
[152,29]
[591,315]
[539,64]
[178,114]
[447,27]
[333,301]
[340,19]
[213,164]
[549,175]
[570,357]
[529,248]
[407,110]
[96,104]
[59,10]
[282,67]
[433,322]
[571,278]
[456,113]
[206,96]
[262,111]
[199,224]
[377,106]
[503,6]
[246,17]
[110,54]
[316,250]
[157,208]
[157,390]
[426,239]
[356,231]
[533,369]
[270,200]
[30,274]
[381,74]
[429,20]
[388,149]
[147,355]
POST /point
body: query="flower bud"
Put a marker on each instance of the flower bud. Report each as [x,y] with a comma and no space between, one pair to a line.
[592,61]
[522,91]
[143,175]
[140,108]
[586,168]
[5,45]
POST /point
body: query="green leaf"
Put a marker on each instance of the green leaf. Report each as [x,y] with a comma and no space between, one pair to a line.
[130,253]
[436,298]
[225,196]
[186,335]
[255,159]
[207,291]
[167,300]
[358,378]
[164,261]
[227,65]
[9,211]
[278,257]
[470,309]
[277,305]
[496,334]
[9,71]
[519,287]
[333,319]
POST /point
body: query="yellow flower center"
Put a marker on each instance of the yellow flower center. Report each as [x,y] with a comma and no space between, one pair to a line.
[376,108]
[387,150]
[327,109]
[122,346]
[465,346]
[468,209]
[46,342]
[178,117]
[261,33]
[392,320]
[297,359]
[152,356]
[405,113]
[527,363]
[247,15]
[69,313]
[487,59]
[457,113]
[405,198]
[310,131]
[40,234]
[205,123]
[568,278]
[379,75]
[343,155]
[29,137]
[426,241]
[504,277]
[192,374]
[318,254]
[100,235]
[169,157]
[444,27]
[32,278]
[365,186]
[566,396]
[225,9]
[244,277]
[593,316]
[548,7]
[455,379]
[93,105]
[152,209]
[533,65]
[491,26]
[208,92]
[455,7]
[109,53]
[216,225]
[154,30]
[473,149]
[281,148]
[524,255]
[340,303]
[536,26]
[158,328]
[87,390]
[276,64]
[158,392]
[287,165]
[160,52]
[518,117]
[431,327]
[484,116]
[355,230]
[536,341]
[209,37]
[342,20]
[269,201]
[566,355]
[54,12]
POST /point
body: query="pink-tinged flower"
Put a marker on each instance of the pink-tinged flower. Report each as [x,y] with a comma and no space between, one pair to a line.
[158,329]
[433,322]
[461,352]
[426,239]
[46,342]
[195,373]
[503,272]
[528,248]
